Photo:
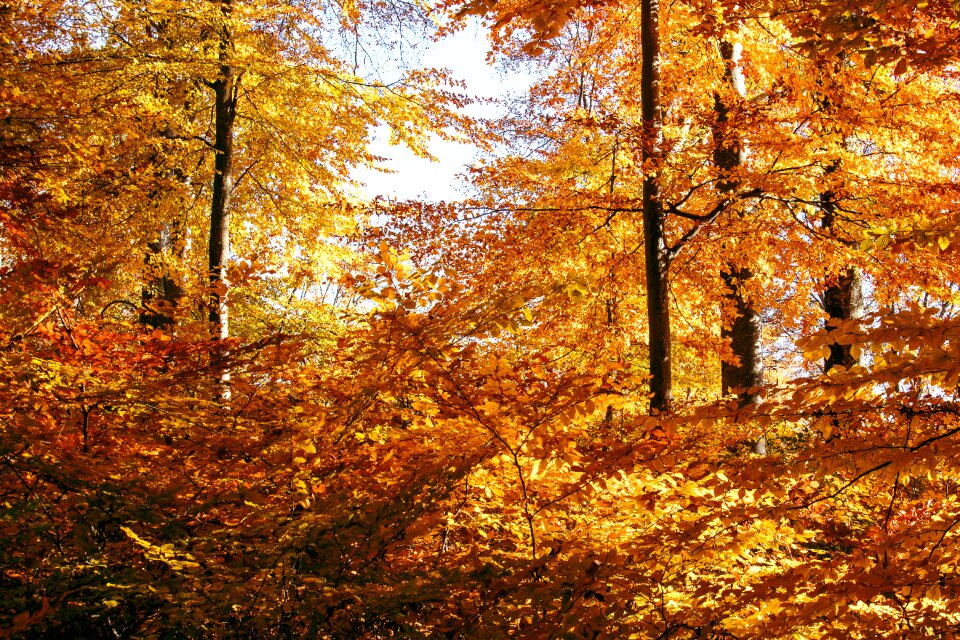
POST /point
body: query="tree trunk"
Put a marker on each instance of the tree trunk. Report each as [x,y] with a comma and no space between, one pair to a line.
[161,296]
[656,256]
[743,330]
[843,298]
[744,336]
[225,112]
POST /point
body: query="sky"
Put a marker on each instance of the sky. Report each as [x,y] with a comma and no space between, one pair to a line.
[464,54]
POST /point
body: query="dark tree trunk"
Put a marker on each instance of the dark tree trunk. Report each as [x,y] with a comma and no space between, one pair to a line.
[161,295]
[225,113]
[742,331]
[843,300]
[728,151]
[656,255]
[843,297]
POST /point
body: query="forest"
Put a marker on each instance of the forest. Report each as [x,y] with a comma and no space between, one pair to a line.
[682,363]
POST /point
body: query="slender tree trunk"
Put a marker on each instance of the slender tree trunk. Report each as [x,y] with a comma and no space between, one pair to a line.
[743,333]
[743,330]
[225,112]
[842,298]
[611,303]
[161,295]
[656,256]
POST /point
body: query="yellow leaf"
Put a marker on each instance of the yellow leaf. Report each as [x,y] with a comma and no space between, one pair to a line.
[535,470]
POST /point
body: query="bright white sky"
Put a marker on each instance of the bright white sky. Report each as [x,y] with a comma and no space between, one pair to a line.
[464,54]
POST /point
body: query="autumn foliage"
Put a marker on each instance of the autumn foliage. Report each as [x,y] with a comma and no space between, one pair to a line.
[685,364]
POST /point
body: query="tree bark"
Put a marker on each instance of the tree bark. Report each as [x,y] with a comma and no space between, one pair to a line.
[842,298]
[742,332]
[656,255]
[225,112]
[161,295]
